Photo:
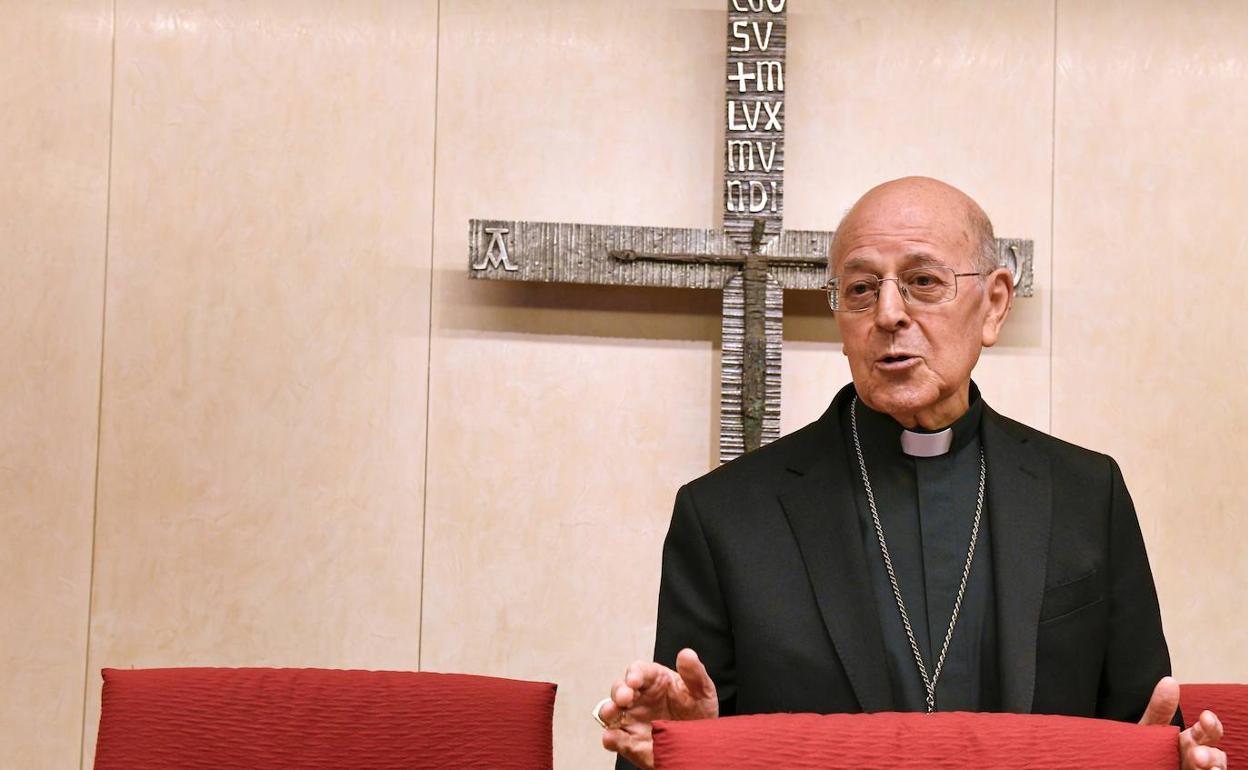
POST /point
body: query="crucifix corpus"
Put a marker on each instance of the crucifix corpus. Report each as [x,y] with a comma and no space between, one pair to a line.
[751,258]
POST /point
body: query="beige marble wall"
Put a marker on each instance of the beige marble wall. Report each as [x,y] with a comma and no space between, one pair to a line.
[262,449]
[1149,361]
[54,75]
[285,223]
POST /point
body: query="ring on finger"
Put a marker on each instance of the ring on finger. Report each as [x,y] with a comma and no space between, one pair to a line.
[597,714]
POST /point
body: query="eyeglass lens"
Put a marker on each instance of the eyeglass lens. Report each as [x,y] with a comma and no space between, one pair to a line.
[929,285]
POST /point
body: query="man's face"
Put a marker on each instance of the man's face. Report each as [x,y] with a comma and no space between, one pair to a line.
[907,359]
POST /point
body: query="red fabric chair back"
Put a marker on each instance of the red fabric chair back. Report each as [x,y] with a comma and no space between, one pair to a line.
[919,741]
[314,719]
[1230,703]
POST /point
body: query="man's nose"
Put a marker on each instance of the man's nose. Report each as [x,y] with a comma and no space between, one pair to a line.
[891,311]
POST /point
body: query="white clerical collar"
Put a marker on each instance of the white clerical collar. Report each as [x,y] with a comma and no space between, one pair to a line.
[926,444]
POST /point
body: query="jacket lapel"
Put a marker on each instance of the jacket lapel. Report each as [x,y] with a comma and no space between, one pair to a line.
[1019,509]
[822,514]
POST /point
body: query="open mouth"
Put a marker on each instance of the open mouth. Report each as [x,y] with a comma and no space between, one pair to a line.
[896,361]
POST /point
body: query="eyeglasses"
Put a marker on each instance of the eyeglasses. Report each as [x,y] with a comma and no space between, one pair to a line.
[928,285]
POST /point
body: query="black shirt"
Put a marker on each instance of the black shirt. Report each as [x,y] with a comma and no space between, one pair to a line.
[926,507]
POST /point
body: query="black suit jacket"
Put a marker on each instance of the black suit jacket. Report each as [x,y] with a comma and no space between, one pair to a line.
[764,575]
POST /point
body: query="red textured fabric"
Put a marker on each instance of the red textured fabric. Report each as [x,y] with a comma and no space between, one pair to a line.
[1230,703]
[317,719]
[920,741]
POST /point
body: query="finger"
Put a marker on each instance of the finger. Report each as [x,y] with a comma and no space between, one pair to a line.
[1217,759]
[610,713]
[617,740]
[642,674]
[1208,729]
[1206,758]
[1199,756]
[1163,703]
[694,674]
[622,695]
[620,738]
[635,747]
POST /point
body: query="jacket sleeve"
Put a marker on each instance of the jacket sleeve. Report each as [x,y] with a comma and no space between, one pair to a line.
[692,611]
[1136,656]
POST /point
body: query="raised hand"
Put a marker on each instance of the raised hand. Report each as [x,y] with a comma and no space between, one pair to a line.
[650,691]
[1198,744]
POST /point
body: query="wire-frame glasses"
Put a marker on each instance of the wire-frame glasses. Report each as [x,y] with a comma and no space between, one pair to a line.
[926,285]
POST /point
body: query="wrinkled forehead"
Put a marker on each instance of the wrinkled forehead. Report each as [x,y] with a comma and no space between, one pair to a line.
[872,262]
[919,228]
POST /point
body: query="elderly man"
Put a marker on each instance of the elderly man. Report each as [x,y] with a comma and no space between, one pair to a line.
[912,549]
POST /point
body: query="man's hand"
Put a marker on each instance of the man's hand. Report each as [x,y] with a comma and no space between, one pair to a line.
[648,692]
[1198,744]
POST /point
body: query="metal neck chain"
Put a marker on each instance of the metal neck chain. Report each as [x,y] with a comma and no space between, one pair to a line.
[929,684]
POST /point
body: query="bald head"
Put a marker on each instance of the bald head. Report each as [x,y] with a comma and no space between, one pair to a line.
[913,203]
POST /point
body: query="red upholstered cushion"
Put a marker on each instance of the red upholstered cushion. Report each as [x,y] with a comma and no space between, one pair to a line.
[253,718]
[919,741]
[1230,703]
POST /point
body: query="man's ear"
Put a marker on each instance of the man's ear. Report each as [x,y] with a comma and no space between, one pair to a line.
[999,294]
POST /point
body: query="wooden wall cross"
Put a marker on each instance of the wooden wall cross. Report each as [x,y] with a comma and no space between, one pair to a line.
[751,258]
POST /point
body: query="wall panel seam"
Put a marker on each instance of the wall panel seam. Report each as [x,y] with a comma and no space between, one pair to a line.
[1052,213]
[433,211]
[99,406]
